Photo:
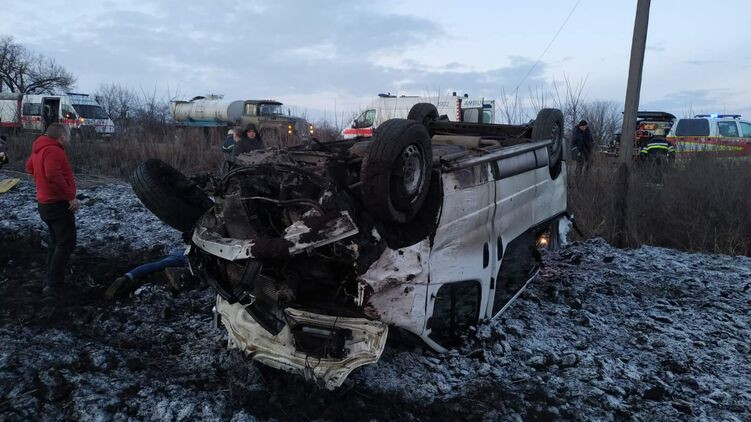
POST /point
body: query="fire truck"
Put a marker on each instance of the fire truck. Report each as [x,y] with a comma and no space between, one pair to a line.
[648,124]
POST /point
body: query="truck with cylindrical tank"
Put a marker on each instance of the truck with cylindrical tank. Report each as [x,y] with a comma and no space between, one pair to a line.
[275,127]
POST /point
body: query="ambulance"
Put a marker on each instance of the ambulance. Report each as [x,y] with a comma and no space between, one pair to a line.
[34,112]
[386,106]
[95,122]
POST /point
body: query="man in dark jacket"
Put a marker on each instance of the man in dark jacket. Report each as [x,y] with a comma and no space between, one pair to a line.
[582,145]
[56,197]
[251,141]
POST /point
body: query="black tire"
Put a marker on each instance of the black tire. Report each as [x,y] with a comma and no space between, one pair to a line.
[423,113]
[169,194]
[549,125]
[393,191]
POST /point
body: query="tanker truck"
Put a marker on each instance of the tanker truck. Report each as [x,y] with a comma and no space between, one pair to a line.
[276,128]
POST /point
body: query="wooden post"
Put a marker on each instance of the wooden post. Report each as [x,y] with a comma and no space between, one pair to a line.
[638,44]
[630,109]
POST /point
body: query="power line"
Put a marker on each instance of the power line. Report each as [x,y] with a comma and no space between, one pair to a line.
[549,44]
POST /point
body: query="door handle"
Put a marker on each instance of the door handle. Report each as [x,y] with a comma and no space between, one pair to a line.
[485,255]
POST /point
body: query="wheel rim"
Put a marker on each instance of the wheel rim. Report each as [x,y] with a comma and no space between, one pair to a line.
[413,162]
[555,135]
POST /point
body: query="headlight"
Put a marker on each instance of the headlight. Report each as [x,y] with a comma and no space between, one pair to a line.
[543,241]
[311,129]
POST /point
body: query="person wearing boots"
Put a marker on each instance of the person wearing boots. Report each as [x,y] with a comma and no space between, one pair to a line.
[56,198]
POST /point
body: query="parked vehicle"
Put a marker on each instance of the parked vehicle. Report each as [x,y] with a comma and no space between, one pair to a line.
[95,123]
[267,115]
[386,106]
[648,125]
[723,135]
[34,112]
[318,253]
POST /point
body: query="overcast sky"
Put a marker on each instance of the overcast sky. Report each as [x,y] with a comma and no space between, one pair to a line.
[321,55]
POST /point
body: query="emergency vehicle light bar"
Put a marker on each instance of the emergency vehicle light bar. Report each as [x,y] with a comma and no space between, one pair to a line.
[719,116]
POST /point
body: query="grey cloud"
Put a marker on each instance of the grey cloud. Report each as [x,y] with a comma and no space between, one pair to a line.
[254,48]
[697,99]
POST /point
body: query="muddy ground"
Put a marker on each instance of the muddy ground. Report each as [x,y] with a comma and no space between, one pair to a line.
[602,334]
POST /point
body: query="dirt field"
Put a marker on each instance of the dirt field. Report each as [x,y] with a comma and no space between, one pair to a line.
[602,334]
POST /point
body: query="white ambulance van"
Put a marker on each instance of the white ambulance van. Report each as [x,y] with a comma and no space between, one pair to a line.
[95,122]
[386,106]
[34,112]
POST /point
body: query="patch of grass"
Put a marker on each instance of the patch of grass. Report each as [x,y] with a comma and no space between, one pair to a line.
[190,151]
[698,205]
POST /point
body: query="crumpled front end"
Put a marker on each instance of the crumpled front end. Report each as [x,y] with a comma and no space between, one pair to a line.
[322,348]
[307,281]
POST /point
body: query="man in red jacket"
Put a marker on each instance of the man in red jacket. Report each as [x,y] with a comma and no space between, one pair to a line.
[56,195]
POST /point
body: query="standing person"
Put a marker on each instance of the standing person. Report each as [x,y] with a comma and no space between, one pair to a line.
[656,150]
[582,144]
[56,197]
[234,135]
[251,141]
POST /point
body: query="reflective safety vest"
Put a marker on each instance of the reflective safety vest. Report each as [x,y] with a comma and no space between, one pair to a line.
[657,145]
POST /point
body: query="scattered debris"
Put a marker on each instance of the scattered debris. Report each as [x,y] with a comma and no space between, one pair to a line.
[81,358]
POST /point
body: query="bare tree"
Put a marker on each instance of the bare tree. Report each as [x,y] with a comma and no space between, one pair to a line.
[688,112]
[570,100]
[604,118]
[510,108]
[24,72]
[119,102]
[538,99]
[326,131]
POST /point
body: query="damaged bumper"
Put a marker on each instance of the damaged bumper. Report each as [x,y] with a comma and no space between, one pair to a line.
[322,348]
[335,228]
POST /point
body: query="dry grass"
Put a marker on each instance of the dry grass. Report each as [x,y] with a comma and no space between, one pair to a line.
[701,205]
[187,150]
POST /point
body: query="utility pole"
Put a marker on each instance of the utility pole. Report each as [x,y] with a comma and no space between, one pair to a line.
[638,44]
[630,109]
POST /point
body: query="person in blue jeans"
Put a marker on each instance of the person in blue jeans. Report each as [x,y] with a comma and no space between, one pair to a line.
[173,266]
